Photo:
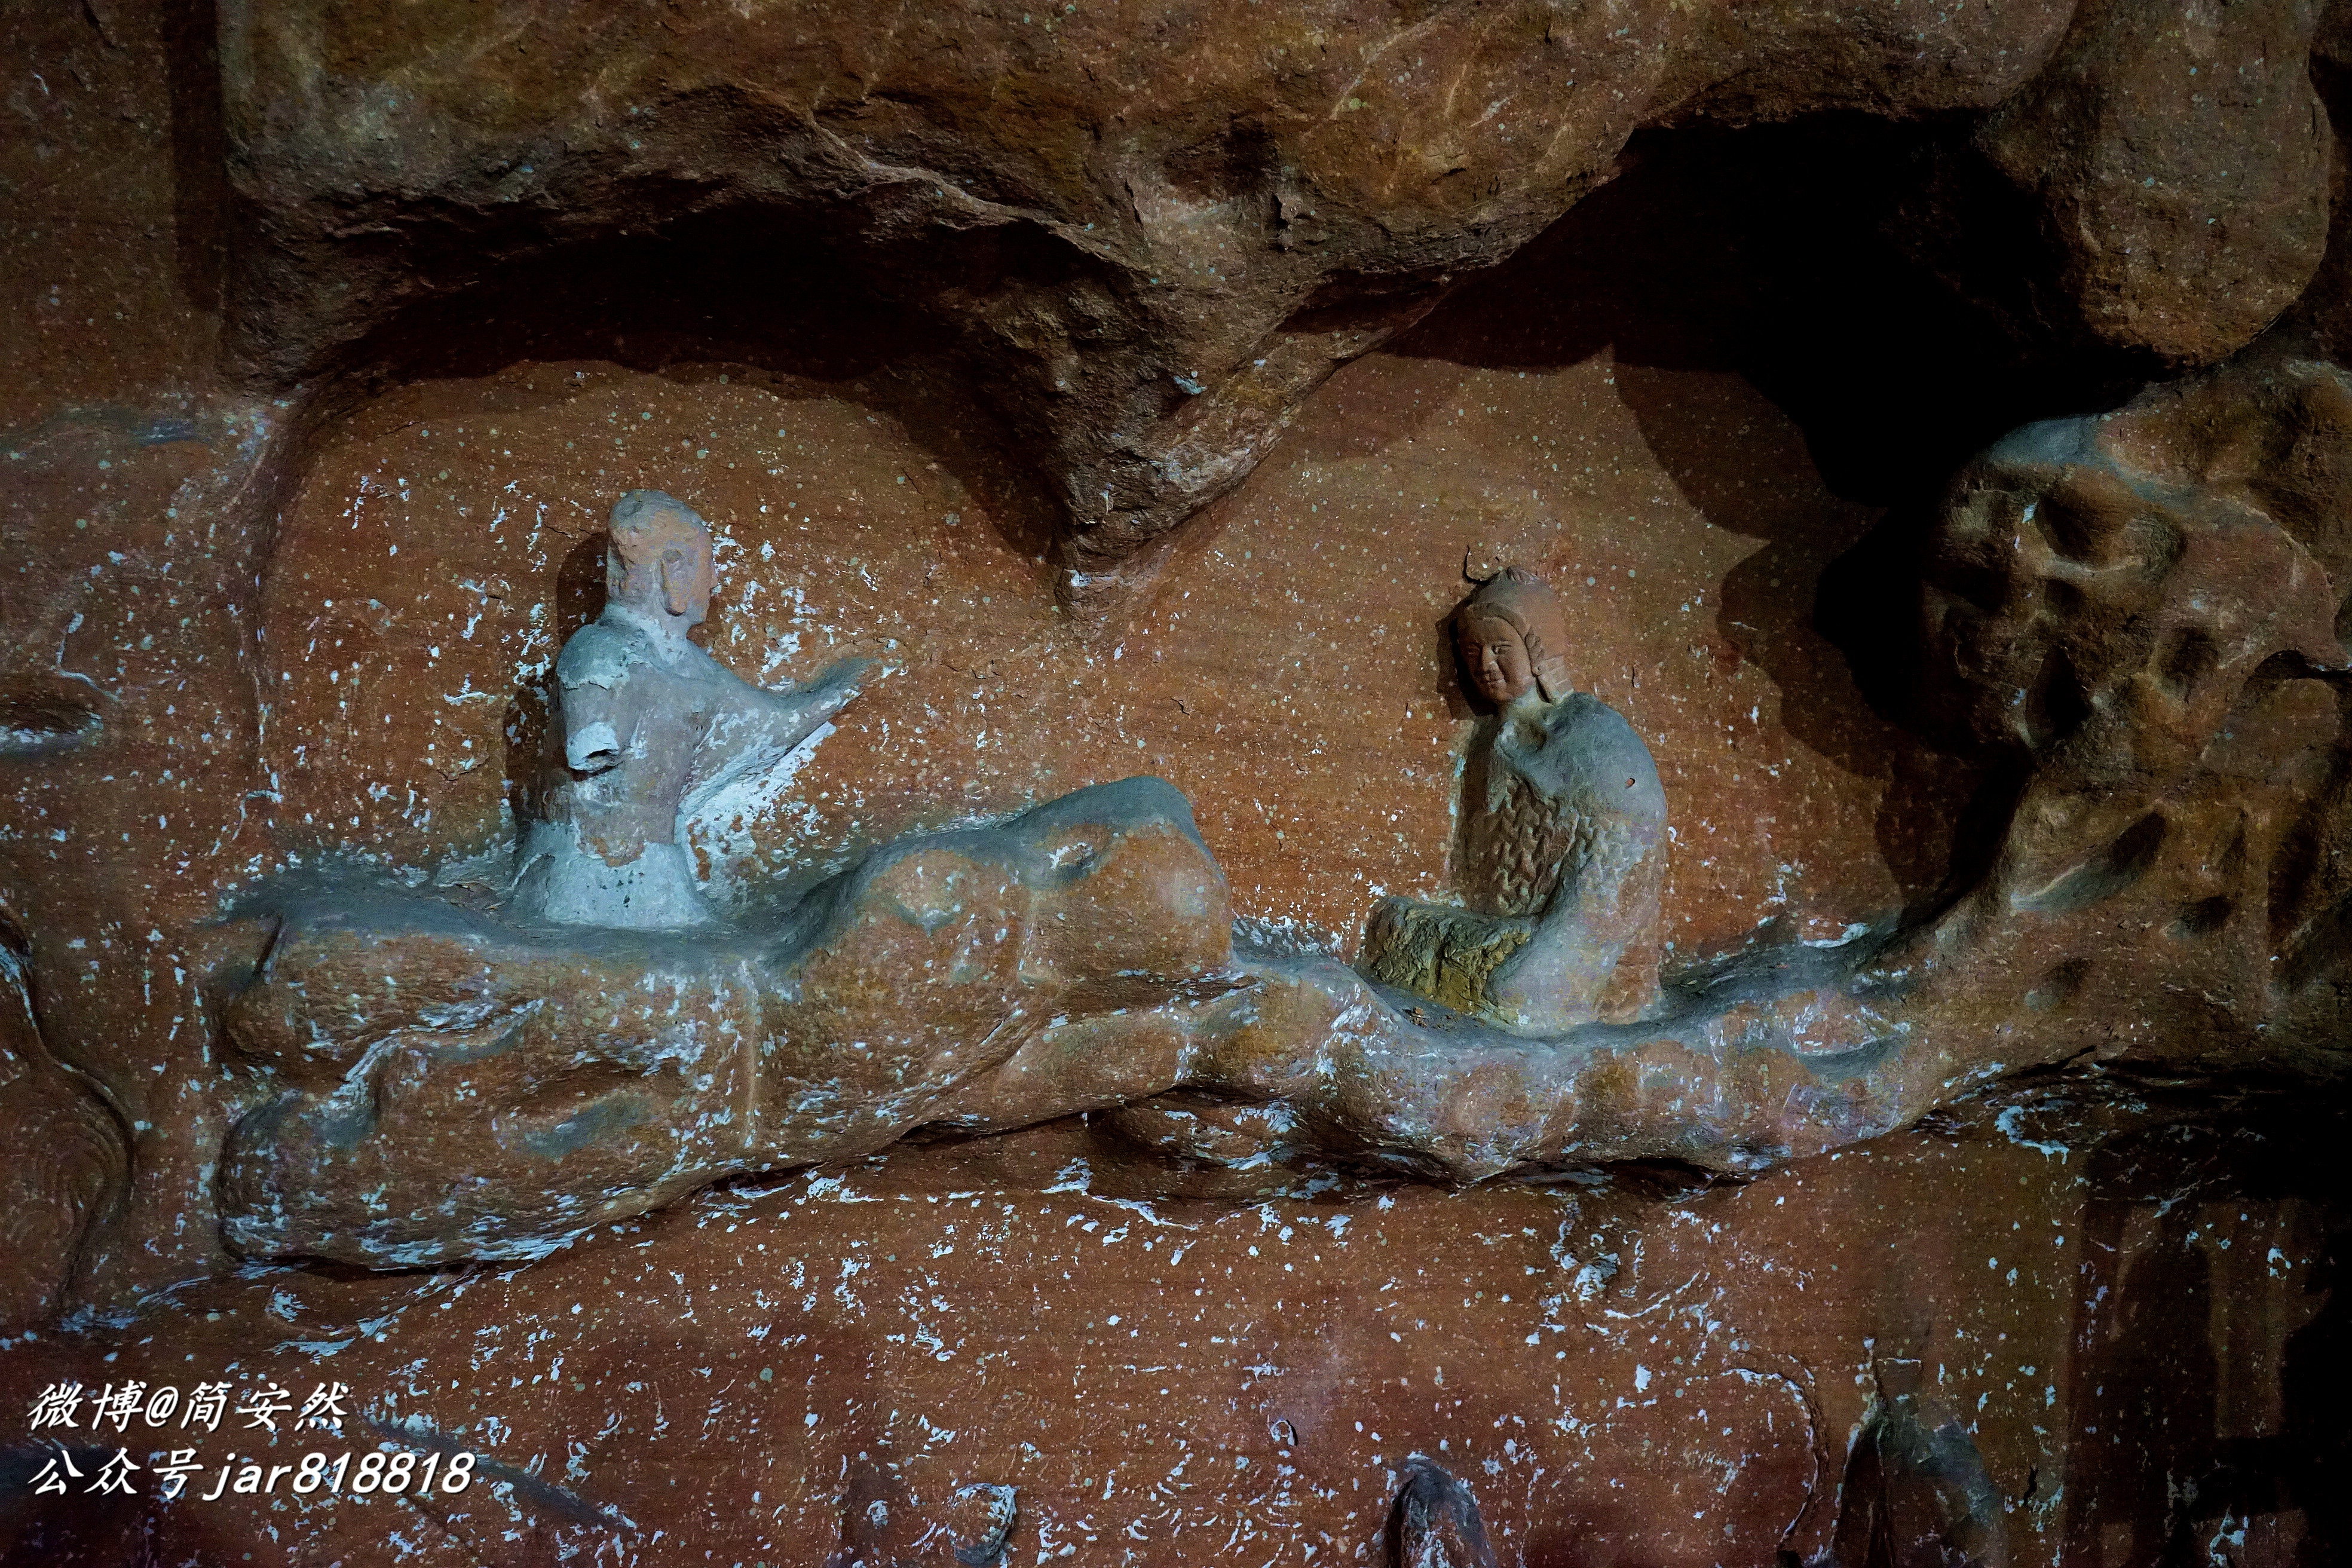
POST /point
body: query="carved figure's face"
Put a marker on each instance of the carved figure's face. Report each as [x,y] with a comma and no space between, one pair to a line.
[677,583]
[1496,657]
[686,580]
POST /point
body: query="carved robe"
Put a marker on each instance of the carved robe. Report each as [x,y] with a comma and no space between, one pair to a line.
[1562,849]
[643,728]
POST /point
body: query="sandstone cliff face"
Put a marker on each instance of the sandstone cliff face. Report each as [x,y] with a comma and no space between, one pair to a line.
[1939,417]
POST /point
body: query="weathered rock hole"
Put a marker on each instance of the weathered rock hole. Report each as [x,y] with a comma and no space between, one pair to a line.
[2055,705]
[2112,871]
[34,723]
[2060,985]
[2187,661]
[2203,918]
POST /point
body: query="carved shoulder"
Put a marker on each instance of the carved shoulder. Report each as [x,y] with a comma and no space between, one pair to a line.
[698,664]
[598,655]
[1590,750]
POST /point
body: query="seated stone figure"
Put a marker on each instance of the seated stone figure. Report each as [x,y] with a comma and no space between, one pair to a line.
[645,720]
[433,1083]
[1562,842]
[435,1080]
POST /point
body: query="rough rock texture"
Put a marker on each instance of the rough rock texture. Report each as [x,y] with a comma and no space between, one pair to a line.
[2154,142]
[1436,1524]
[2148,606]
[2140,1329]
[1914,1489]
[437,1085]
[77,1185]
[1144,233]
[334,342]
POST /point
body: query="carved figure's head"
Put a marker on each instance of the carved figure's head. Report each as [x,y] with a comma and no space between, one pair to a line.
[658,561]
[1511,635]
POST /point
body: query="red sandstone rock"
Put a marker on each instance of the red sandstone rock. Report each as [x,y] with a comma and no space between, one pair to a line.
[249,636]
[1150,232]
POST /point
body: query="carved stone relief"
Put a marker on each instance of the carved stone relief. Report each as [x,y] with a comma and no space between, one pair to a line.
[741,756]
[645,724]
[1540,1028]
[1562,838]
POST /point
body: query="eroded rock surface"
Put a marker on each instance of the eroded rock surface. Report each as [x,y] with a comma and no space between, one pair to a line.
[1618,1377]
[441,1084]
[1143,234]
[2148,606]
[1985,933]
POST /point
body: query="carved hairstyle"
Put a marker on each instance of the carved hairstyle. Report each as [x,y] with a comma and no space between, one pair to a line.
[646,526]
[1525,603]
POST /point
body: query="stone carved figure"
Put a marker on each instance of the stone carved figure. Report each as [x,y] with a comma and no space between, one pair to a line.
[435,1083]
[435,1080]
[646,724]
[1562,843]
